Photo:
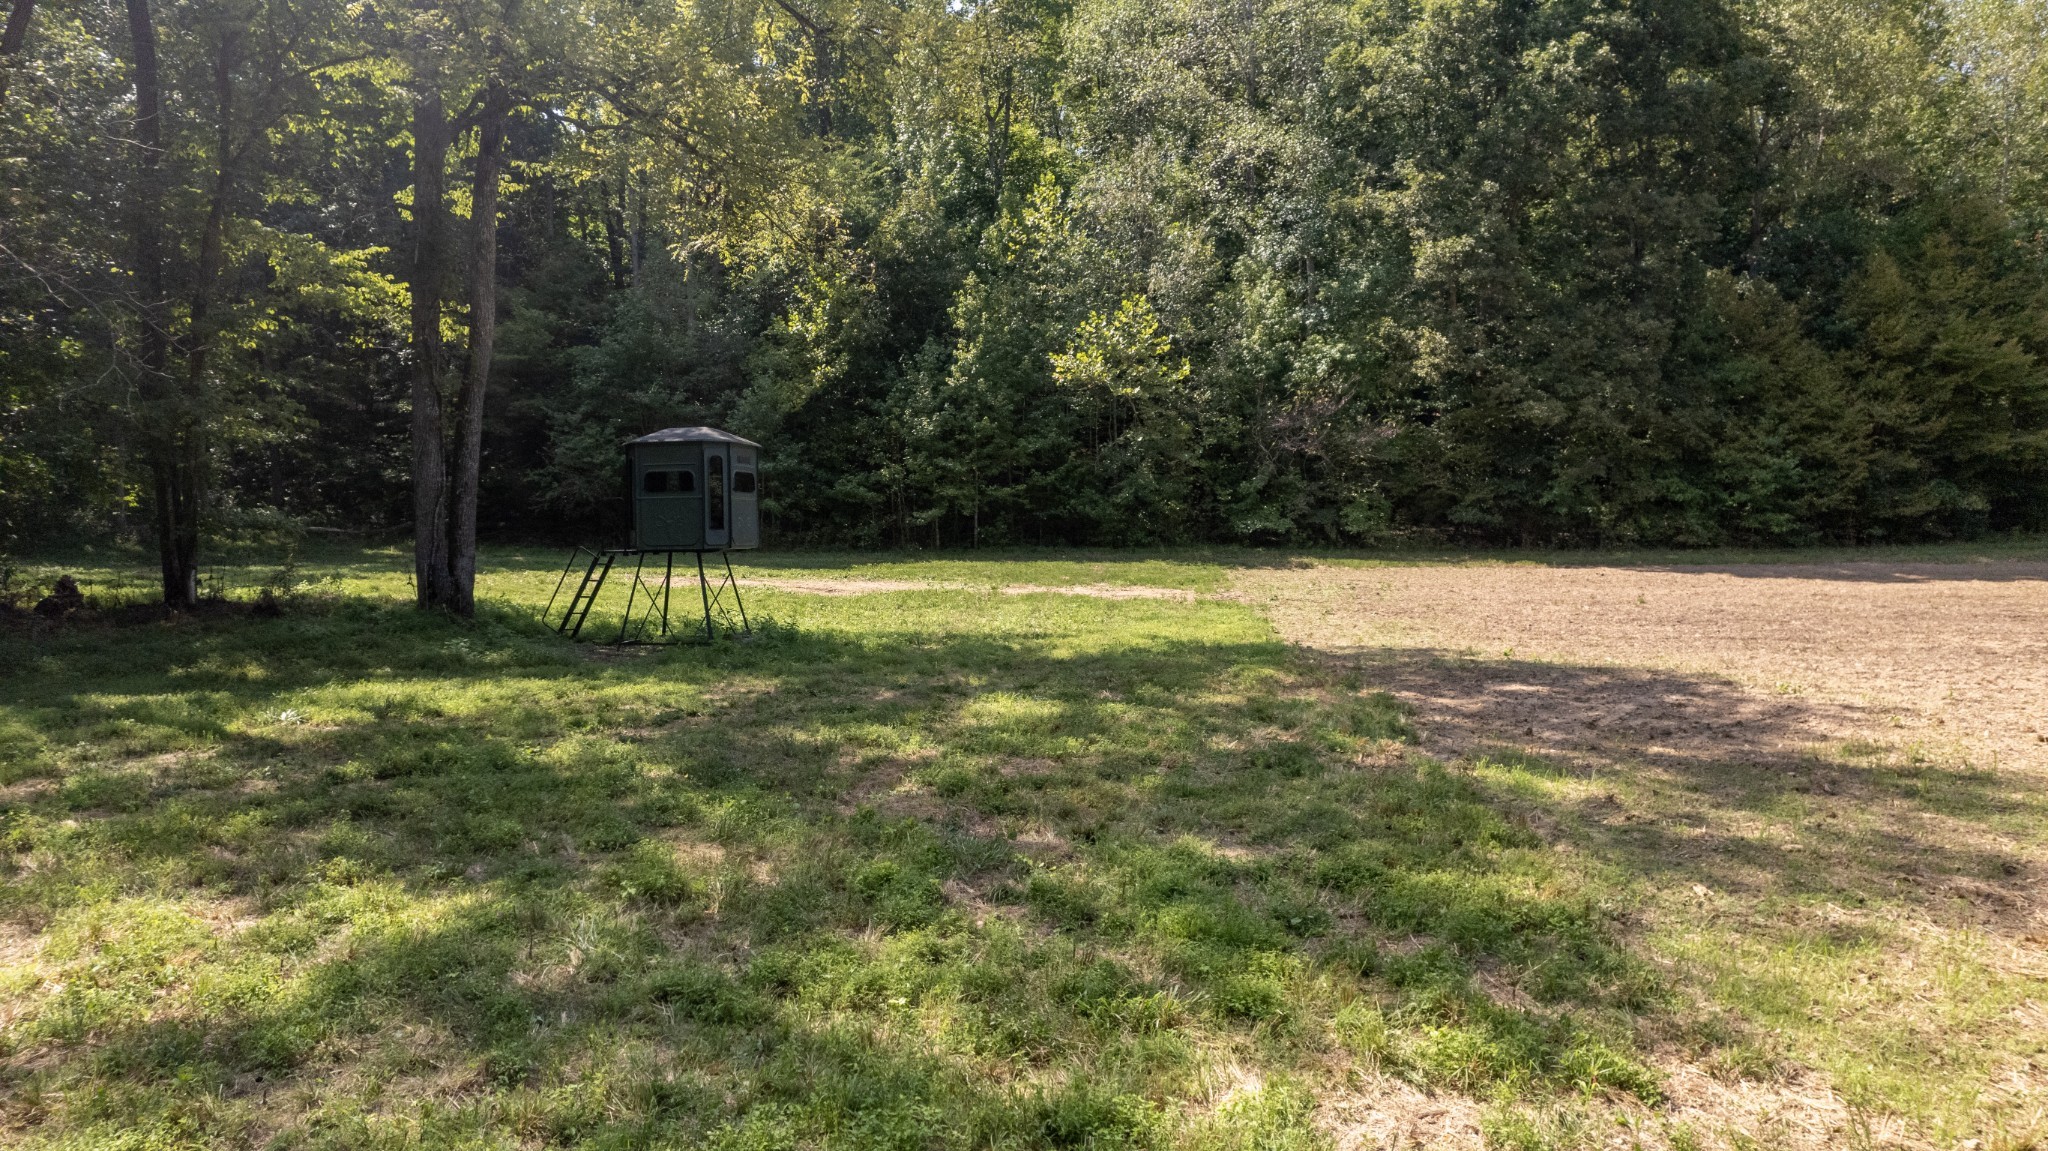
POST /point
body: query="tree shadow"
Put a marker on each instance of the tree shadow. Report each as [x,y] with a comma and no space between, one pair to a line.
[489,904]
[875,888]
[1760,793]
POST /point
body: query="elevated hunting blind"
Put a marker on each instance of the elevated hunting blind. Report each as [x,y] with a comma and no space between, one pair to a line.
[691,490]
[694,489]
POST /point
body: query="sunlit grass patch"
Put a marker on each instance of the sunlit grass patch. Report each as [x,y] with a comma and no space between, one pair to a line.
[1905,1018]
[1805,912]
[1196,570]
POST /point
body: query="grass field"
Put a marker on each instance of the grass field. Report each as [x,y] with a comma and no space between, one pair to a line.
[942,867]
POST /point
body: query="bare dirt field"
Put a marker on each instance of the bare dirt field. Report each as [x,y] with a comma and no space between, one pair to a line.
[1729,661]
[1826,780]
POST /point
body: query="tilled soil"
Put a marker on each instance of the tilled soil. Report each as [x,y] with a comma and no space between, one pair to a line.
[1731,662]
[1722,686]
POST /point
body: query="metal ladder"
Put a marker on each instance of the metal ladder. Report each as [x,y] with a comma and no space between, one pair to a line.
[585,595]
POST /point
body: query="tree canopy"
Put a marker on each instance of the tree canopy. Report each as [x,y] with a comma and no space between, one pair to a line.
[1030,271]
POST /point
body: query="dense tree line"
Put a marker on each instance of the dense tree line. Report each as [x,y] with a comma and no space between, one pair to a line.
[995,271]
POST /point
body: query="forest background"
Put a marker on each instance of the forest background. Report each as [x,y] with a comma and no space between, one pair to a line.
[1548,272]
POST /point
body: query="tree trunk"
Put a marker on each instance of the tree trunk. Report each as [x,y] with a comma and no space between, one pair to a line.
[189,449]
[170,439]
[213,236]
[614,232]
[428,280]
[636,248]
[12,39]
[483,328]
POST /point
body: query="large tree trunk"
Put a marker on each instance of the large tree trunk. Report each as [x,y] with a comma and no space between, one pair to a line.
[428,279]
[12,40]
[170,436]
[483,329]
[447,437]
[190,448]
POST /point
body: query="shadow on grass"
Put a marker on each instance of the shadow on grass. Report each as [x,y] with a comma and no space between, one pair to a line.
[1751,793]
[357,877]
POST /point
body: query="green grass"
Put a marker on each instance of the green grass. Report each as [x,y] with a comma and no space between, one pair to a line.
[916,869]
[910,868]
[1197,571]
[515,572]
[526,575]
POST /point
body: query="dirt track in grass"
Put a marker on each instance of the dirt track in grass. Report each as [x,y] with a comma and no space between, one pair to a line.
[1950,660]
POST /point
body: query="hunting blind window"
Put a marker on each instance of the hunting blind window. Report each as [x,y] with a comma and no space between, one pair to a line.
[659,483]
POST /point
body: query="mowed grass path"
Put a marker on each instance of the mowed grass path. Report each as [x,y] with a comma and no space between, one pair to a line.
[909,870]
